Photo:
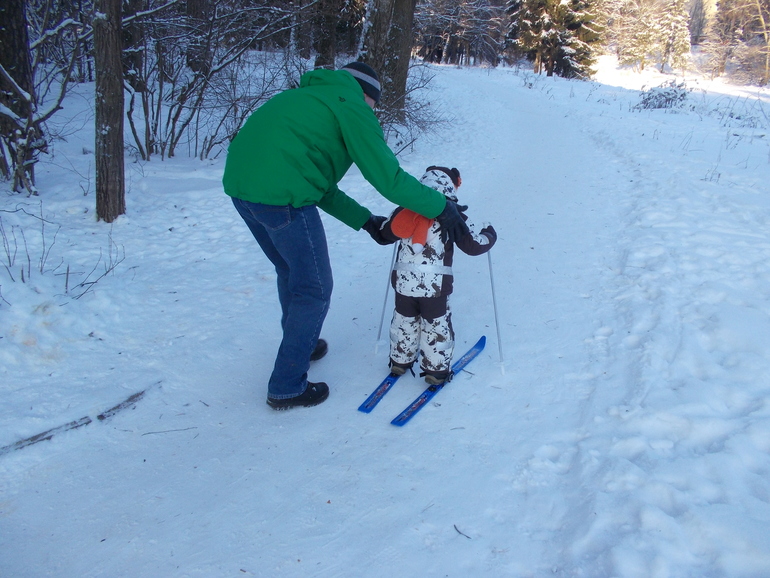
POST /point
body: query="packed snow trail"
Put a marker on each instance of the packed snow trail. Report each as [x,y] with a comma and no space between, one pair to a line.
[627,436]
[688,440]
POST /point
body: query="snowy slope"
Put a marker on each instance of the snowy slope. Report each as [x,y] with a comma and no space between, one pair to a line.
[626,433]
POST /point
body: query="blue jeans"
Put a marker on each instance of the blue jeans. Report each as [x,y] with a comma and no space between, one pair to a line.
[295,242]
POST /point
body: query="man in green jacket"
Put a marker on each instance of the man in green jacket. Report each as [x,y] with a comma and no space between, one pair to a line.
[284,163]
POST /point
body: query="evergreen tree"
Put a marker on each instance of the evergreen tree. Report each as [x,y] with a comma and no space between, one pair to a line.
[555,35]
[649,31]
[578,30]
[531,29]
[637,32]
[674,41]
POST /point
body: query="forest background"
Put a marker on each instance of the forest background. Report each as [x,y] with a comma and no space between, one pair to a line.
[180,77]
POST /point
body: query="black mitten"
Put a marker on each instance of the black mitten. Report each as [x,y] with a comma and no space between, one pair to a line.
[452,225]
[490,233]
[373,227]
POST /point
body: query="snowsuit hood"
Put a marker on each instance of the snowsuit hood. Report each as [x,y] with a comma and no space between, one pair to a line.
[441,182]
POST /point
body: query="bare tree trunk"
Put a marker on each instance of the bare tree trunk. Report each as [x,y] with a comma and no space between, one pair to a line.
[110,181]
[84,63]
[134,46]
[538,64]
[301,31]
[374,44]
[327,20]
[15,59]
[765,31]
[397,63]
[698,21]
[199,47]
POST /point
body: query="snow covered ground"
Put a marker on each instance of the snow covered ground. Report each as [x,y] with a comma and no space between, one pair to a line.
[627,432]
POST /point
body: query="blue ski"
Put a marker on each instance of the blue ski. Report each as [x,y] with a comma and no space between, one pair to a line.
[378,393]
[432,390]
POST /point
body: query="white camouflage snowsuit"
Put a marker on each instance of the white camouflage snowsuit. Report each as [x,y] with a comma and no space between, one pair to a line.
[422,279]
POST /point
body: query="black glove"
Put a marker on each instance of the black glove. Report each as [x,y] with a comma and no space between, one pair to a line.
[452,225]
[373,227]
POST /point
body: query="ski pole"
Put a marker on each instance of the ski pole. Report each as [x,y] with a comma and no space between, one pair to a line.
[494,305]
[387,288]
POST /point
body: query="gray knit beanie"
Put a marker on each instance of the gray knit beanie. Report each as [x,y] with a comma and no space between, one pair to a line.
[366,77]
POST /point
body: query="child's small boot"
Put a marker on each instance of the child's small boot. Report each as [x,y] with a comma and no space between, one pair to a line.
[436,377]
[400,368]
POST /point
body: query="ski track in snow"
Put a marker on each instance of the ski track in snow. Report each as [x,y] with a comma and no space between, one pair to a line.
[628,434]
[685,443]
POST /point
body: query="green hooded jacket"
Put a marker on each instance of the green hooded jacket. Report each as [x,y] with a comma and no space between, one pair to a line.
[296,147]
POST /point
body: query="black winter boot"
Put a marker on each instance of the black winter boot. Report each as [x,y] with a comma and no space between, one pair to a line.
[321,349]
[314,394]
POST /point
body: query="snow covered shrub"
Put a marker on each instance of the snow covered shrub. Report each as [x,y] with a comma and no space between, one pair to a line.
[667,95]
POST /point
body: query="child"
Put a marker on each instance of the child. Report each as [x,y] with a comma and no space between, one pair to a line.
[422,278]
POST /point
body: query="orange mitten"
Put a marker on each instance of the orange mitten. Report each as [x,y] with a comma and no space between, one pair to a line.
[409,224]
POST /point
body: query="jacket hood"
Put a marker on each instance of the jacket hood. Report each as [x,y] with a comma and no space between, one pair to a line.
[323,77]
[441,182]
